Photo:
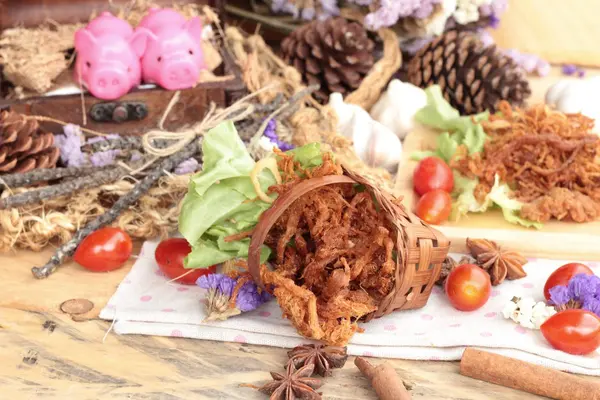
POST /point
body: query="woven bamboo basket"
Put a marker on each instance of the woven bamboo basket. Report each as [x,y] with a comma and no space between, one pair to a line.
[421,249]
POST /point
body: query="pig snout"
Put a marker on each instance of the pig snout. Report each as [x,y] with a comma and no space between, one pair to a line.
[109,84]
[180,74]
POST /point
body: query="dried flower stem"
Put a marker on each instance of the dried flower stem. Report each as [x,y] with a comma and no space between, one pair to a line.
[43,175]
[167,164]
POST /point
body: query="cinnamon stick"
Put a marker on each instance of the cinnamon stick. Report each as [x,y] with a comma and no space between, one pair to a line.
[526,377]
[384,380]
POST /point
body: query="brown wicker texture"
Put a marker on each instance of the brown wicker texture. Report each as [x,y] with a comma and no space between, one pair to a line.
[422,249]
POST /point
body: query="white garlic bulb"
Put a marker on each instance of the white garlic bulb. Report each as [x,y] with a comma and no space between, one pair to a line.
[577,96]
[397,107]
[374,144]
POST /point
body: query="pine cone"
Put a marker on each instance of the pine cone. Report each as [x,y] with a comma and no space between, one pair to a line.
[23,145]
[335,53]
[473,77]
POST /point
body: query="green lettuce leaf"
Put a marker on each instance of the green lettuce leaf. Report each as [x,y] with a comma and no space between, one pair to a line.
[499,196]
[465,201]
[439,114]
[221,200]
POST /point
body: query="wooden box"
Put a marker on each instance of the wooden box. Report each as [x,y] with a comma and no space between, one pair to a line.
[138,111]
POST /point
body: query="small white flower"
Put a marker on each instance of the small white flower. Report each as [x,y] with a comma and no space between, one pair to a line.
[526,323]
[515,315]
[265,144]
[526,303]
[527,312]
[541,309]
[509,309]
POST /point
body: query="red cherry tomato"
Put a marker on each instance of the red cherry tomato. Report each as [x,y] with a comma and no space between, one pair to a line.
[563,275]
[432,173]
[434,207]
[573,331]
[468,287]
[104,250]
[169,256]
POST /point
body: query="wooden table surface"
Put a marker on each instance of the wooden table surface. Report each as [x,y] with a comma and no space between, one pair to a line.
[44,353]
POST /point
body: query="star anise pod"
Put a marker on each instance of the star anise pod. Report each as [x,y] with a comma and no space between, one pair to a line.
[448,265]
[294,384]
[500,264]
[324,358]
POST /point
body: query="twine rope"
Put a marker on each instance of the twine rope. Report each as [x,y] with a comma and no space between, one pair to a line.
[238,111]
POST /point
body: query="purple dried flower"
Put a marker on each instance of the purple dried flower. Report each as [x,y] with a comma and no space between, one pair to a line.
[582,286]
[559,295]
[250,297]
[102,158]
[543,68]
[69,145]
[580,72]
[569,69]
[308,14]
[270,129]
[389,12]
[187,167]
[499,6]
[220,289]
[136,155]
[591,303]
[529,62]
[486,38]
[216,281]
[330,8]
[485,10]
[271,134]
[425,9]
[226,285]
[493,21]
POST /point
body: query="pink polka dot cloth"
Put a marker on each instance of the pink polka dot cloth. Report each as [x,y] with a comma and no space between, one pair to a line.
[145,303]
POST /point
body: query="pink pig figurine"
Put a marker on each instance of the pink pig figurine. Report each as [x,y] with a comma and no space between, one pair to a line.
[173,57]
[159,18]
[108,62]
[108,23]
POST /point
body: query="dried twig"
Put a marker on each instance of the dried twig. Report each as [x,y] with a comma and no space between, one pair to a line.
[62,189]
[100,176]
[44,175]
[68,249]
[121,143]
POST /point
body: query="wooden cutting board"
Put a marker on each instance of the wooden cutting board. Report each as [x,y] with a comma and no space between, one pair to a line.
[558,31]
[558,240]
